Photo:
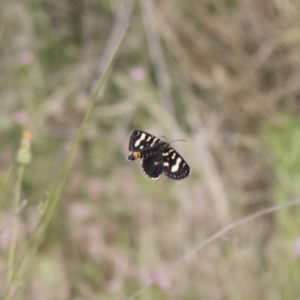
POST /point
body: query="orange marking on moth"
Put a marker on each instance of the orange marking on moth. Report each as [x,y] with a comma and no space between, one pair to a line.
[136,155]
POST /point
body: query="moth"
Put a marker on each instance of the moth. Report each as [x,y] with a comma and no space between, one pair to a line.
[157,156]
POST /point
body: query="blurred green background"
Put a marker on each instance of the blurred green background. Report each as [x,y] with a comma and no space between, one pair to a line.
[223,75]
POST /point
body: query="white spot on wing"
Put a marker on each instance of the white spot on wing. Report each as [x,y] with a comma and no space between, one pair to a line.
[176,166]
[140,139]
[153,142]
[166,164]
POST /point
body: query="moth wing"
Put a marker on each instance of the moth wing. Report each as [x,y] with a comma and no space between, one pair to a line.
[175,167]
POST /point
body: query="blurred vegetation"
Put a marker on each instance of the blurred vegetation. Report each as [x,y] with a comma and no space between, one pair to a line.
[224,75]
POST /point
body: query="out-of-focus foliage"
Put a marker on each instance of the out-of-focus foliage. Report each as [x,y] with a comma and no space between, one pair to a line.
[224,75]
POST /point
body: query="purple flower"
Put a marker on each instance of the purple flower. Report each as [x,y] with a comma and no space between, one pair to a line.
[20,117]
[157,278]
[25,57]
[138,74]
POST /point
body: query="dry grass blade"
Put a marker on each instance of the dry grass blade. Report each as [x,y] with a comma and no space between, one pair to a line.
[191,254]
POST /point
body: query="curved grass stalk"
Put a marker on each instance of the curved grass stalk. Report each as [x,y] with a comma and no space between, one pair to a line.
[55,192]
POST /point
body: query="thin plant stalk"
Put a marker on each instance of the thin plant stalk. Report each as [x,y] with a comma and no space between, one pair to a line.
[197,248]
[55,192]
[23,158]
[12,249]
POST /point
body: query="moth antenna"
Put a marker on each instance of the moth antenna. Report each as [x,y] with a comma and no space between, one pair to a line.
[164,137]
[177,141]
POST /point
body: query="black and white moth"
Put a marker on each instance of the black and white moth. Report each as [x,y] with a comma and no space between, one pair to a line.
[157,156]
